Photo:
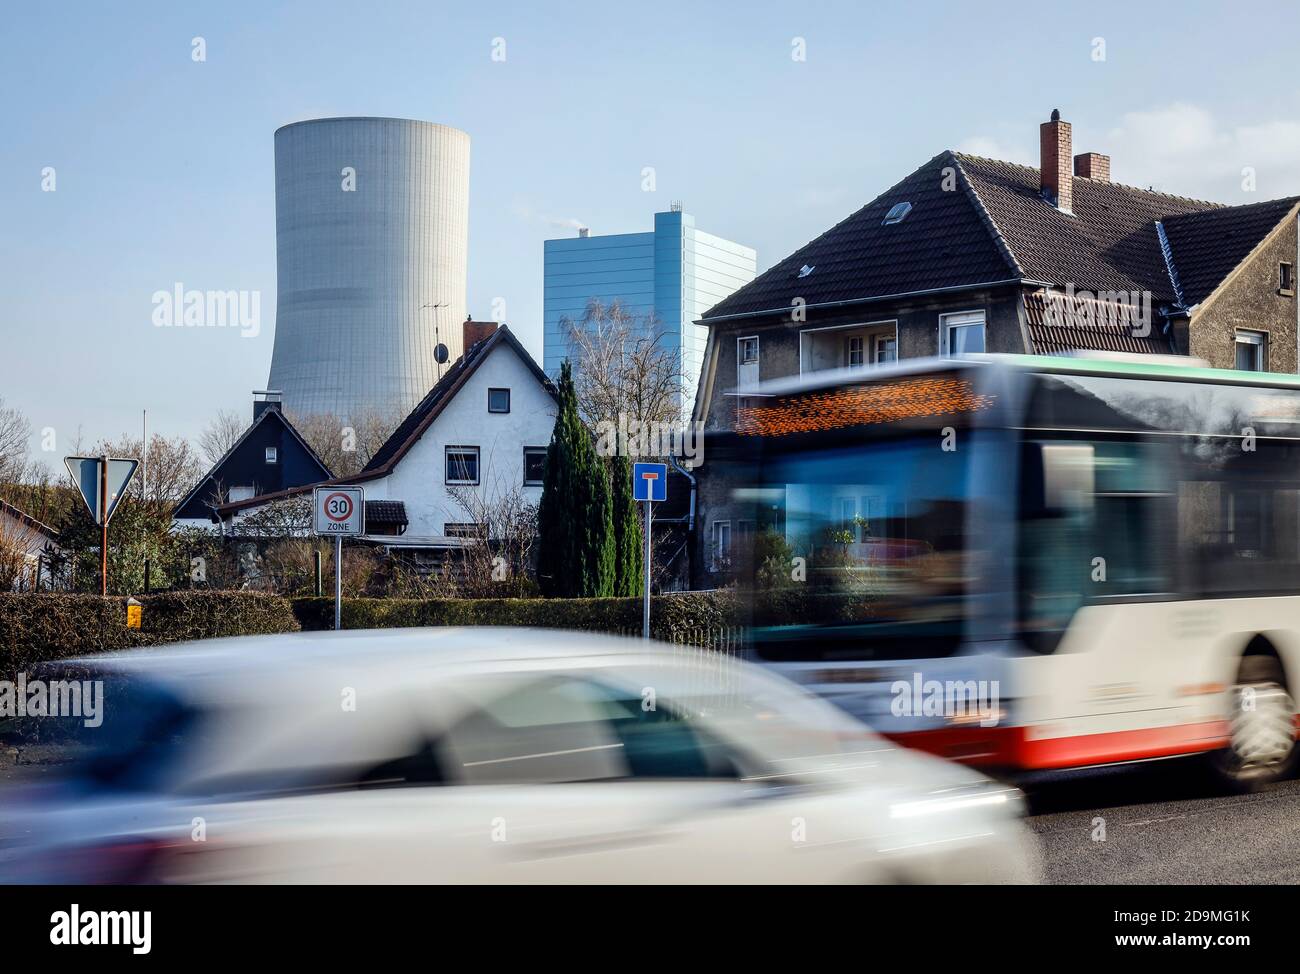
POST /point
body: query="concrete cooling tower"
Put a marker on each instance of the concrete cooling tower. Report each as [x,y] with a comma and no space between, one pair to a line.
[372,228]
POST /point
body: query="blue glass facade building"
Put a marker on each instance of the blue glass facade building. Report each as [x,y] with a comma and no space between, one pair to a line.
[674,273]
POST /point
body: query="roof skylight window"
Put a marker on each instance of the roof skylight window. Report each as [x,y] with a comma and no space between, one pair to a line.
[897,213]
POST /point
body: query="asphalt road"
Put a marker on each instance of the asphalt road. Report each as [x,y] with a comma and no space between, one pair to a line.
[1164,823]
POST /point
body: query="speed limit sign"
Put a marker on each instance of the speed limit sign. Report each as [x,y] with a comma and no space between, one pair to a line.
[339,512]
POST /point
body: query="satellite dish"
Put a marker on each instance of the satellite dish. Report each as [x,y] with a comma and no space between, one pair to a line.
[440,353]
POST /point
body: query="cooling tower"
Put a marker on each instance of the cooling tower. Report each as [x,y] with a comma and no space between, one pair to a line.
[371,227]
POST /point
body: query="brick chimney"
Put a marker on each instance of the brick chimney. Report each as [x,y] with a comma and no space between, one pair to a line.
[1092,165]
[1054,166]
[475,331]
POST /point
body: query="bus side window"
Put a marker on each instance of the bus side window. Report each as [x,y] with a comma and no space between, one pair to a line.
[1095,524]
[1239,517]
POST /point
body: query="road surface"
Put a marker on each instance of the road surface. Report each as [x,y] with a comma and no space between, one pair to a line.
[1163,823]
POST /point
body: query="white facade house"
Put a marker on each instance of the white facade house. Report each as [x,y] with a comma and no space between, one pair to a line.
[28,545]
[487,438]
[477,437]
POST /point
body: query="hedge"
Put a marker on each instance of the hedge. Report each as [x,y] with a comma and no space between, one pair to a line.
[43,626]
[681,617]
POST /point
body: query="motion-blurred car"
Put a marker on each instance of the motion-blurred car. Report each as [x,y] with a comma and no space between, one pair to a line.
[495,756]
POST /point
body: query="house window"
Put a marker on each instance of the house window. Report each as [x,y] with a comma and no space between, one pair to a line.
[721,556]
[747,350]
[856,352]
[534,465]
[272,455]
[886,349]
[462,465]
[961,334]
[1286,278]
[464,529]
[498,400]
[240,494]
[1251,348]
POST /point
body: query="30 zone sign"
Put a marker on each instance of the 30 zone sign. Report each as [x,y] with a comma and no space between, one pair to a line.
[339,511]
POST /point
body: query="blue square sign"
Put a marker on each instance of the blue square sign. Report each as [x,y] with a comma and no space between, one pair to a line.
[650,481]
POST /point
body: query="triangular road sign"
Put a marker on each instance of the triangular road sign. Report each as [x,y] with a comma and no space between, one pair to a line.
[120,473]
[87,473]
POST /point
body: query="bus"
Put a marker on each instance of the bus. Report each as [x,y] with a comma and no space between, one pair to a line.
[1024,562]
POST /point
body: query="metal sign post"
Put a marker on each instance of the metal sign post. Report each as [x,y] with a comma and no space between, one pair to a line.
[338,512]
[102,483]
[649,484]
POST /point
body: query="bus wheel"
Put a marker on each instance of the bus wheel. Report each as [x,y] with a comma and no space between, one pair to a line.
[1262,745]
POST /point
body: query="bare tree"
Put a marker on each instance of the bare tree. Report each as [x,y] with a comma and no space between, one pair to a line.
[287,518]
[345,446]
[174,466]
[225,429]
[15,431]
[623,365]
[499,561]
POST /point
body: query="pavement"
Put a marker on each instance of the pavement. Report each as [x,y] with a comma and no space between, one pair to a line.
[1163,823]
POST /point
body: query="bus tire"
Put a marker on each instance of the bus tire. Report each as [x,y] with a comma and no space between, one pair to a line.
[1261,727]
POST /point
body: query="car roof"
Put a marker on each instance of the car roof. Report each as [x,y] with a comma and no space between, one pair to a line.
[434,646]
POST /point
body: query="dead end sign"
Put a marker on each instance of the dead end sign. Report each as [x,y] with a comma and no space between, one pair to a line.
[650,481]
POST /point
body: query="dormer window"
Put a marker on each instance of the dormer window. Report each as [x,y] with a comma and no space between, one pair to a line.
[897,213]
[806,270]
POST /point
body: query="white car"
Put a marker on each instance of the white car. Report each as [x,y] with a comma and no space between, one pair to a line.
[493,756]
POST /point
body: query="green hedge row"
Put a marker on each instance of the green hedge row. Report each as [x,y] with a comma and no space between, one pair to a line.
[44,626]
[685,616]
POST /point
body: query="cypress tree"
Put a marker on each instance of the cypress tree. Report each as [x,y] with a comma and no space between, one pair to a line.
[575,516]
[599,551]
[628,539]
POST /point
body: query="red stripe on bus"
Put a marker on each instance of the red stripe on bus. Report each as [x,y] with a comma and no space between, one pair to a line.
[1011,747]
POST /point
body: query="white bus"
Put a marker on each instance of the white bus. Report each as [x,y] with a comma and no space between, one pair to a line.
[1029,563]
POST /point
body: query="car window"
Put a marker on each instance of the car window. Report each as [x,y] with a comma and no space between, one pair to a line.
[559,729]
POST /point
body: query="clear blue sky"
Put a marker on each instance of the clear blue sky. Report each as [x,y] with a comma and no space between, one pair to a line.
[164,165]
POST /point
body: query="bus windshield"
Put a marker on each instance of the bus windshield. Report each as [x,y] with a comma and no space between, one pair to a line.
[857,550]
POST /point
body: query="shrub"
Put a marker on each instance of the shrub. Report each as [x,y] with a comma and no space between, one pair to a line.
[686,617]
[47,626]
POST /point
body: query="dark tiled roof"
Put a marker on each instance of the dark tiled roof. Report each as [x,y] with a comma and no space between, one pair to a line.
[1089,324]
[1208,246]
[944,241]
[385,513]
[993,225]
[426,411]
[1110,242]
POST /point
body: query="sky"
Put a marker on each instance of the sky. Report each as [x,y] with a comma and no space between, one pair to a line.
[162,165]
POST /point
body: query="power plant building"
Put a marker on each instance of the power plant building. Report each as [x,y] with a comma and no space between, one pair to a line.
[372,233]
